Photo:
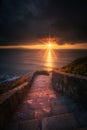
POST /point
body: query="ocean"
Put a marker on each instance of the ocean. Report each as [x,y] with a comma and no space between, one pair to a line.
[15,62]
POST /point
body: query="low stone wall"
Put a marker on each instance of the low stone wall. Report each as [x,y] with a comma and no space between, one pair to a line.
[70,85]
[43,72]
[9,102]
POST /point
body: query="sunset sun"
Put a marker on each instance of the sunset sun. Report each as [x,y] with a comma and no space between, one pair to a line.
[50,46]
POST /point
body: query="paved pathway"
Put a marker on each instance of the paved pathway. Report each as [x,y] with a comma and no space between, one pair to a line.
[43,109]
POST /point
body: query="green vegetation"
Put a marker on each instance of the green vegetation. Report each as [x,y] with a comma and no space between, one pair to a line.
[8,85]
[78,66]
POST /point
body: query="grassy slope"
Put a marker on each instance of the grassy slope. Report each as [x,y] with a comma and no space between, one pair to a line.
[8,85]
[78,66]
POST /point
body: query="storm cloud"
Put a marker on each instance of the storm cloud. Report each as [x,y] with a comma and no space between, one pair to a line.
[29,20]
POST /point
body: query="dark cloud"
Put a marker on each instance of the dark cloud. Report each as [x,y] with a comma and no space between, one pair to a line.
[27,20]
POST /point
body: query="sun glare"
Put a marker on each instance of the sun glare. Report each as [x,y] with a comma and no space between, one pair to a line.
[49,45]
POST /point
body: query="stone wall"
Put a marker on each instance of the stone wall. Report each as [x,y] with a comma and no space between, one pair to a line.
[9,102]
[43,72]
[70,85]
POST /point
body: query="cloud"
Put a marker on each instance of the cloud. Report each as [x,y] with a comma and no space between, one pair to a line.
[70,20]
[27,20]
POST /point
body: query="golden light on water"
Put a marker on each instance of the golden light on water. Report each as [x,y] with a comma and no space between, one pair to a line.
[49,55]
[49,58]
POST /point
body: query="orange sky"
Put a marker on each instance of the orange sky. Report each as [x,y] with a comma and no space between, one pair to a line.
[48,43]
[46,46]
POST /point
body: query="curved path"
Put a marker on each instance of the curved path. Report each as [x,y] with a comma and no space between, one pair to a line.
[43,109]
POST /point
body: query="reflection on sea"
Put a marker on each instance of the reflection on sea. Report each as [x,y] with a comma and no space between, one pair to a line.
[49,57]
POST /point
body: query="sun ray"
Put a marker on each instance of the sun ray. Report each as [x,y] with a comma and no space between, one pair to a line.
[49,55]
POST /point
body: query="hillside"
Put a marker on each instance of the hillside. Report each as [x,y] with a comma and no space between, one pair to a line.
[78,66]
[10,84]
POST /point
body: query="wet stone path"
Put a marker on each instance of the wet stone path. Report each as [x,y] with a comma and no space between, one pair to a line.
[43,109]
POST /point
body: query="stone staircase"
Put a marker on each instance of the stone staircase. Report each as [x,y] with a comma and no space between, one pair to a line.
[44,109]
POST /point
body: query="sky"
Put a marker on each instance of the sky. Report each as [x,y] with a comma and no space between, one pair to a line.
[29,21]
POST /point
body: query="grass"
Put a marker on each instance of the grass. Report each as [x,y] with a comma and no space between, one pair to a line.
[8,85]
[78,66]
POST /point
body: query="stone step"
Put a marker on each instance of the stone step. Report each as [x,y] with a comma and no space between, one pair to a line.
[67,119]
[61,122]
[54,108]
